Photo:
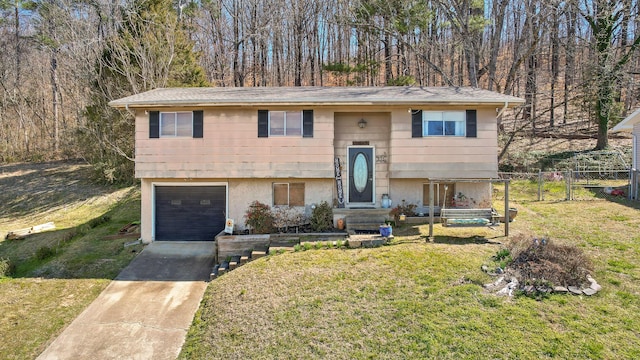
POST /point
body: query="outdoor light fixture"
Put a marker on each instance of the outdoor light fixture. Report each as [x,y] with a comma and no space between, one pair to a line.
[362,123]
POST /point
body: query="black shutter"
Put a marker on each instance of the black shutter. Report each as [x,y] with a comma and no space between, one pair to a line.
[263,123]
[154,124]
[198,117]
[307,123]
[416,123]
[472,124]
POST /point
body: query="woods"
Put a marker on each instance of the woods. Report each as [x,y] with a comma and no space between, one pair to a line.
[575,62]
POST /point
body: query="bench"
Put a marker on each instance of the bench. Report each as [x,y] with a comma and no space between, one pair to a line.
[469,217]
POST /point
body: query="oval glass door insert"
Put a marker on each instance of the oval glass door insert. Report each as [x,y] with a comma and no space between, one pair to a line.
[360,172]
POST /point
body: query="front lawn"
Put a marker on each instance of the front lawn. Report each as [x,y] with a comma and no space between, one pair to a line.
[415,299]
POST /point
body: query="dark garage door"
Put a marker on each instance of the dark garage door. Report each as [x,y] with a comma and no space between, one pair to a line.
[189,212]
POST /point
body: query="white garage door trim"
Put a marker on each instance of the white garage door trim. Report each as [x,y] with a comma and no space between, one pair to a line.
[153,198]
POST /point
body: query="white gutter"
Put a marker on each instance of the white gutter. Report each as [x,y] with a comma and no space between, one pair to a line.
[634,162]
[126,107]
[506,105]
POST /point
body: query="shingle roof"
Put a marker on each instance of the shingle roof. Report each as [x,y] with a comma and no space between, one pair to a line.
[315,96]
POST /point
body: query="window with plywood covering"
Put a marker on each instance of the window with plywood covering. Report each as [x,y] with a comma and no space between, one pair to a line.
[441,191]
[288,194]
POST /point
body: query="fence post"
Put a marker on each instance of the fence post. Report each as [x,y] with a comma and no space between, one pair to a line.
[506,207]
[540,186]
[630,187]
[633,184]
[567,178]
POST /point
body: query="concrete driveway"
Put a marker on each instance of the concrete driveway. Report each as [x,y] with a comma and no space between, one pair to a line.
[146,311]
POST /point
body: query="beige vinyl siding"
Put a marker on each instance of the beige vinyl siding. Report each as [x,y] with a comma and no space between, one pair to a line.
[230,146]
[376,133]
[445,157]
[241,193]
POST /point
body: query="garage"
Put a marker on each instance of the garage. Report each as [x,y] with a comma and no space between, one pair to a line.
[189,213]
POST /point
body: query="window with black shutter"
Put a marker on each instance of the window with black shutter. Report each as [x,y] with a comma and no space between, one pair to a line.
[472,124]
[416,123]
[198,119]
[154,124]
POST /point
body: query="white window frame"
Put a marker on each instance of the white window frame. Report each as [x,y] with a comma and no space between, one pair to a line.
[175,128]
[285,112]
[431,116]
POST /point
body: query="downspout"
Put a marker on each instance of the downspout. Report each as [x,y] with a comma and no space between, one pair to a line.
[634,162]
[126,107]
[506,105]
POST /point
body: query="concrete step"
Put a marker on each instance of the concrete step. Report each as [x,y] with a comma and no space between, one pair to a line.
[214,272]
[256,254]
[245,258]
[234,262]
[224,267]
[364,222]
[365,227]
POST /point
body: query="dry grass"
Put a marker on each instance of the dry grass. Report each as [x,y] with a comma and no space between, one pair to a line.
[35,309]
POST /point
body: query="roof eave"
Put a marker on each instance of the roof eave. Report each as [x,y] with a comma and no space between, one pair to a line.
[189,103]
[628,122]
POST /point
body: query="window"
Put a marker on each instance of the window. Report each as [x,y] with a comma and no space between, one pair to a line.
[439,192]
[176,124]
[285,123]
[288,194]
[443,123]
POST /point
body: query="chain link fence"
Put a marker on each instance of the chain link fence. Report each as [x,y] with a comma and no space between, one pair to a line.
[572,185]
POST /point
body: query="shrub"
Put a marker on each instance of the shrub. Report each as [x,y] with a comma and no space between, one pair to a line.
[286,217]
[405,208]
[7,267]
[44,252]
[260,218]
[93,223]
[542,260]
[322,217]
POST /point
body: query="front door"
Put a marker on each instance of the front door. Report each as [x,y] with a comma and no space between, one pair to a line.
[361,175]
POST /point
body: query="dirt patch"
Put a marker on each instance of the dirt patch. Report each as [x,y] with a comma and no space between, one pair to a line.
[33,194]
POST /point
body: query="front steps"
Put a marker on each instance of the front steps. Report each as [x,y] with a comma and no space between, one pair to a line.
[228,258]
[236,261]
[363,220]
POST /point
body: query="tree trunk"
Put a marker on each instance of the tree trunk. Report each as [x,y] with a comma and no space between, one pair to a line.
[555,48]
[17,39]
[496,32]
[569,67]
[55,95]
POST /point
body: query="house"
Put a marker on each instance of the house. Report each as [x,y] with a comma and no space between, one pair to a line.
[632,124]
[204,154]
